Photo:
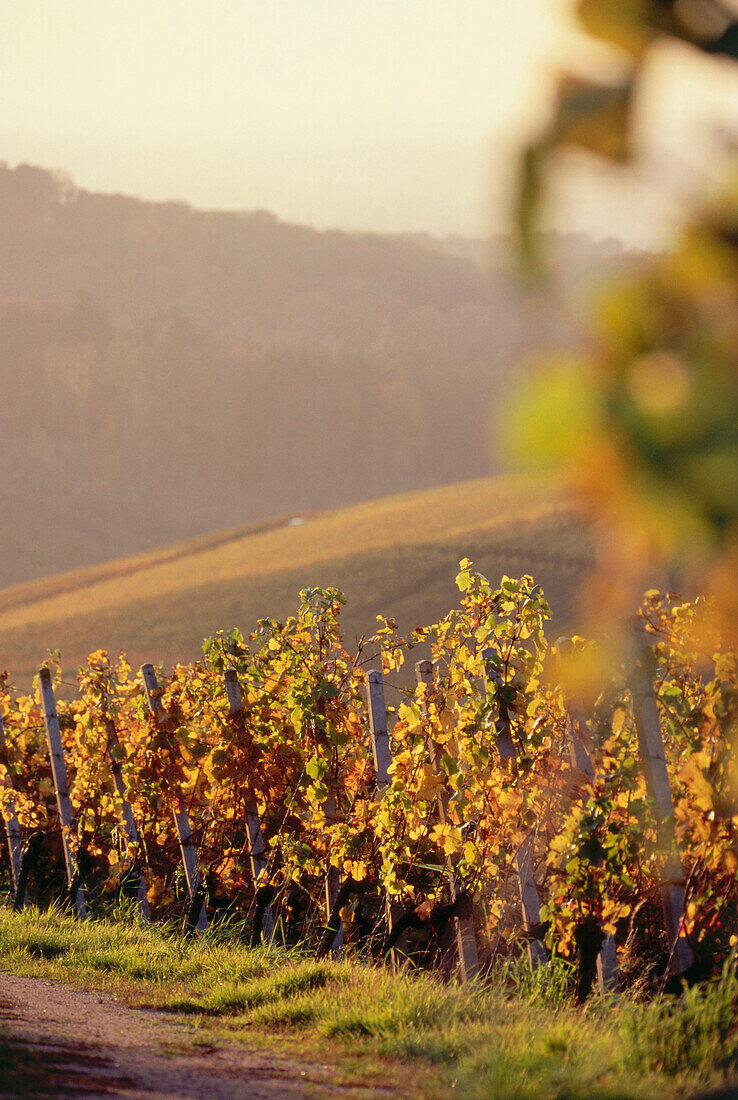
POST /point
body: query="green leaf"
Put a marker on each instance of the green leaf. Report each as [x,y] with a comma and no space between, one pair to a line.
[316,767]
[463,580]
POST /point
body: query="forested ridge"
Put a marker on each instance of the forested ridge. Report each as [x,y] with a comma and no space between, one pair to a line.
[168,371]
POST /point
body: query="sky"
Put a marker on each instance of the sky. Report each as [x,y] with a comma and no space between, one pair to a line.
[389,115]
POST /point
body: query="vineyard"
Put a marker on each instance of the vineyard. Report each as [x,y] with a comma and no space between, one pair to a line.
[524,797]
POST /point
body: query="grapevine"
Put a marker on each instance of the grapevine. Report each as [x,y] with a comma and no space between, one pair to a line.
[298,753]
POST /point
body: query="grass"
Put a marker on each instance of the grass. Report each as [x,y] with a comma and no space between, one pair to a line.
[398,556]
[515,1037]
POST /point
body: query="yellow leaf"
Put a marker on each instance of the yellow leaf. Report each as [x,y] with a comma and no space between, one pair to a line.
[510,799]
[430,785]
[355,868]
[470,852]
[449,838]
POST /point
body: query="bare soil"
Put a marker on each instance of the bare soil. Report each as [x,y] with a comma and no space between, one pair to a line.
[72,1043]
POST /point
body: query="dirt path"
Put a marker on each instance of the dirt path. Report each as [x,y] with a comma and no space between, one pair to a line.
[89,1045]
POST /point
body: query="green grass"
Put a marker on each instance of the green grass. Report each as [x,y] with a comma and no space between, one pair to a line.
[398,556]
[515,1037]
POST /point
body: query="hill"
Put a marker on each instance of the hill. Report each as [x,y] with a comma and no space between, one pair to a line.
[168,371]
[397,555]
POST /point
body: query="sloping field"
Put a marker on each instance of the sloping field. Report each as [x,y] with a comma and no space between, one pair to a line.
[398,555]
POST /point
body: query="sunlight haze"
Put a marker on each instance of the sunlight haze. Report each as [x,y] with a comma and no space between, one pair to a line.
[362,114]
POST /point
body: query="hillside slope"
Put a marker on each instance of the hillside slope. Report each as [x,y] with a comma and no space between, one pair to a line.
[170,371]
[398,555]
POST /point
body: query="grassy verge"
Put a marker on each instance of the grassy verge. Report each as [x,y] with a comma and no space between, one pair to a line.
[513,1037]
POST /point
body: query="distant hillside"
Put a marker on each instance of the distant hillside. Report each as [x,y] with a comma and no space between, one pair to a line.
[167,371]
[398,556]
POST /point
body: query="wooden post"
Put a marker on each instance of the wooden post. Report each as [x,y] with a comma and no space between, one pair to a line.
[127,820]
[527,888]
[10,818]
[59,773]
[651,745]
[378,726]
[382,759]
[181,820]
[257,855]
[466,941]
[576,721]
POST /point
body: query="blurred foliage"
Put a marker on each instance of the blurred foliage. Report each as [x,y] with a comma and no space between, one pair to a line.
[647,419]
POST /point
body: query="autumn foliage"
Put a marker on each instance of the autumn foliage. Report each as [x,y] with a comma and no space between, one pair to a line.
[300,748]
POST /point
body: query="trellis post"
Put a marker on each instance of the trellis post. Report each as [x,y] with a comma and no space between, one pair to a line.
[382,753]
[64,805]
[181,819]
[12,828]
[466,942]
[653,758]
[527,888]
[257,855]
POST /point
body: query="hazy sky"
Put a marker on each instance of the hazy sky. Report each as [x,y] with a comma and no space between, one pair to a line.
[379,114]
